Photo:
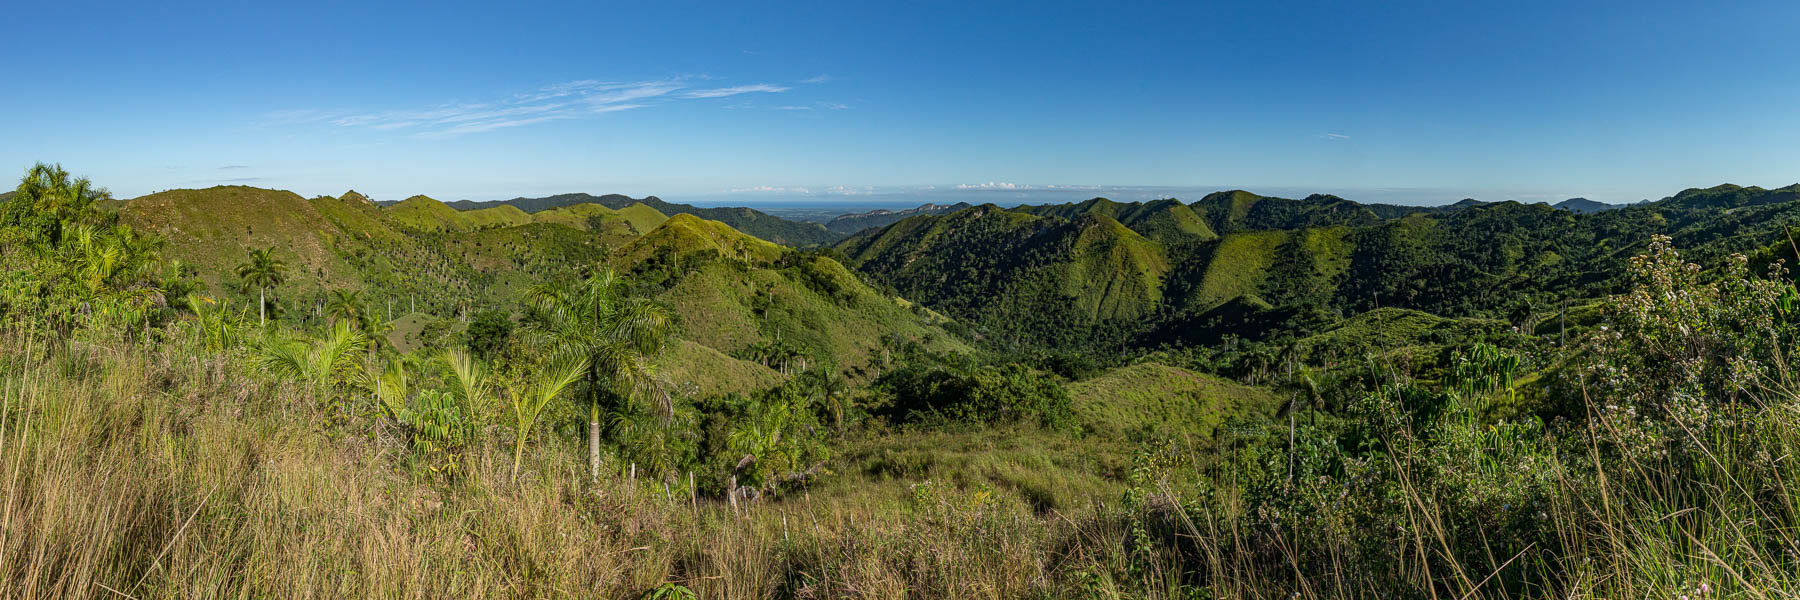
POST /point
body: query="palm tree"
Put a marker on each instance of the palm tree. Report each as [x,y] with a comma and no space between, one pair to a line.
[593,320]
[528,402]
[376,326]
[831,389]
[320,363]
[47,200]
[345,305]
[474,387]
[263,271]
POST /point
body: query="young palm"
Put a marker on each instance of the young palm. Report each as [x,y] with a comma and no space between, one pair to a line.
[264,271]
[595,321]
[528,401]
[346,306]
[376,326]
[474,386]
[320,363]
[831,389]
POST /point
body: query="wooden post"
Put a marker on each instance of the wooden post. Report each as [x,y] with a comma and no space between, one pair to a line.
[732,493]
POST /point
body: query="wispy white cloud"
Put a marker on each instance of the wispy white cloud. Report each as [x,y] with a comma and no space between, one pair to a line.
[233,167]
[568,100]
[1333,136]
[821,78]
[734,90]
[991,185]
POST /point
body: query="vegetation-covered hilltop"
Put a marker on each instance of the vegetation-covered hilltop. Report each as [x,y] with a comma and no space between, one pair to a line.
[1233,256]
[747,220]
[848,224]
[209,393]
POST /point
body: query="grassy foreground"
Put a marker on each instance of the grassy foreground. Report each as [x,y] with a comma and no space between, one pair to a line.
[129,472]
[167,474]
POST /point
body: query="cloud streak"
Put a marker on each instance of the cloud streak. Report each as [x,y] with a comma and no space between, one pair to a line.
[733,91]
[563,101]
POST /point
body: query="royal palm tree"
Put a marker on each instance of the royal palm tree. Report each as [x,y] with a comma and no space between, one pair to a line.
[595,321]
[264,271]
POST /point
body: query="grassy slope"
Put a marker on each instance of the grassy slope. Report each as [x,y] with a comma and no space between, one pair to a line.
[685,234]
[1238,266]
[1089,270]
[498,216]
[642,217]
[1113,272]
[586,217]
[426,214]
[1164,399]
[213,228]
[1166,221]
[712,373]
[332,243]
[746,299]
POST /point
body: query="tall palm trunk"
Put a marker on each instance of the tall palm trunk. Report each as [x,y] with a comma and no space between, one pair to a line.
[594,427]
[262,307]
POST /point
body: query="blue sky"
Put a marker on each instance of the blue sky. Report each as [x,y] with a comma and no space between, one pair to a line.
[850,101]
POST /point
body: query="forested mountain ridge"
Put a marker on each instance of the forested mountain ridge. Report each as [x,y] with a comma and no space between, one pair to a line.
[433,265]
[854,222]
[1320,255]
[747,220]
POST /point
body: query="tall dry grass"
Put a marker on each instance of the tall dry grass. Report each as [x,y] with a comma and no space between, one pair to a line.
[128,472]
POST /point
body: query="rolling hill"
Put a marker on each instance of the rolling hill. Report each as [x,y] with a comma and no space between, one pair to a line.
[753,222]
[855,222]
[1167,220]
[1026,274]
[733,292]
[1016,272]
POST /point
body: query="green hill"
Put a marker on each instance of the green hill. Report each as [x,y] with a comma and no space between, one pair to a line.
[426,214]
[642,217]
[734,292]
[1014,272]
[1238,210]
[750,221]
[1167,220]
[856,222]
[213,228]
[499,216]
[1028,275]
[685,234]
[635,219]
[413,253]
[1166,399]
[587,217]
[353,197]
